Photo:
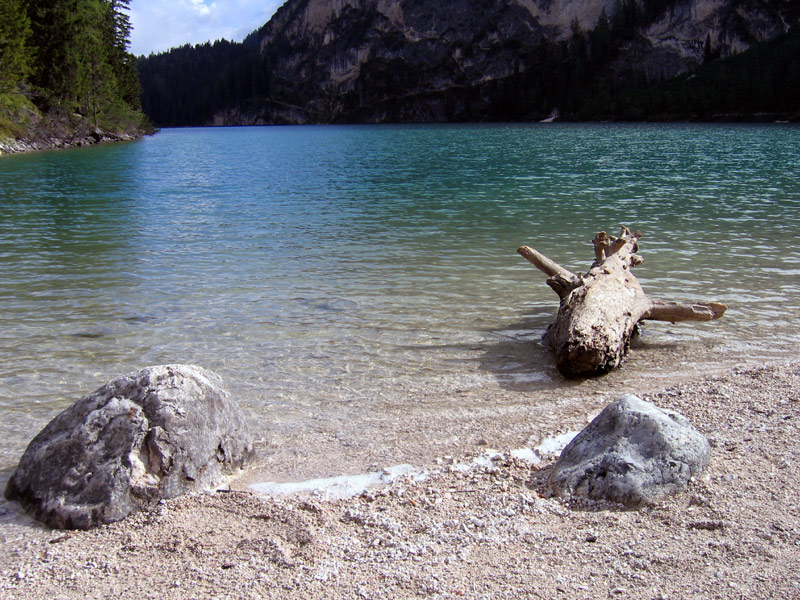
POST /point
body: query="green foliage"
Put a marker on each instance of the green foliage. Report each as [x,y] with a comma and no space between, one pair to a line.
[123,64]
[71,57]
[761,83]
[187,85]
[14,32]
[17,114]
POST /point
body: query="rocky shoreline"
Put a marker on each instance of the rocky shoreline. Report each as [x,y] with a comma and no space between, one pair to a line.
[75,140]
[53,130]
[483,528]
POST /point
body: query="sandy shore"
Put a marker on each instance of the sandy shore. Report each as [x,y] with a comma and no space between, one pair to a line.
[487,531]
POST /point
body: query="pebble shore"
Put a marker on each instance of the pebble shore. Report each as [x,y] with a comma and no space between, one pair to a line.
[51,143]
[488,531]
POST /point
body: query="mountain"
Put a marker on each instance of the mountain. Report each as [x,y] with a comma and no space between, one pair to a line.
[322,61]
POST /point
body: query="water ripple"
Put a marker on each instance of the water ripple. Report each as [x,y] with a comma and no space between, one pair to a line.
[316,265]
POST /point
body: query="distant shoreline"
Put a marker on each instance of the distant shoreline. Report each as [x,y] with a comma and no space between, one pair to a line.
[43,141]
[726,119]
[20,146]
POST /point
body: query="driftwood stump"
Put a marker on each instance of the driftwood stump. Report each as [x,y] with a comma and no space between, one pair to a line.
[600,311]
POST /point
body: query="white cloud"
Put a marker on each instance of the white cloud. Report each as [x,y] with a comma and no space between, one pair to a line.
[159,25]
[201,8]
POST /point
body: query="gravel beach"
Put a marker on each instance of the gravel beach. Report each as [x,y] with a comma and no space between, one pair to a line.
[468,528]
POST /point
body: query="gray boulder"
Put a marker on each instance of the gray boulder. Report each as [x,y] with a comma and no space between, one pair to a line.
[633,453]
[158,433]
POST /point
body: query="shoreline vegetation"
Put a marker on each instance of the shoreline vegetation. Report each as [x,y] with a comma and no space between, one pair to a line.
[69,132]
[66,76]
[478,525]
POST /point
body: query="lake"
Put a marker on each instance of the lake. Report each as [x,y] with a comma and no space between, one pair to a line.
[332,269]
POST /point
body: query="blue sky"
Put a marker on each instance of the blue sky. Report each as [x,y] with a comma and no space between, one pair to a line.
[159,25]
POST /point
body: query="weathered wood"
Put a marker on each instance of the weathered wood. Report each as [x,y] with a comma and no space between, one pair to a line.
[675,311]
[600,311]
[560,279]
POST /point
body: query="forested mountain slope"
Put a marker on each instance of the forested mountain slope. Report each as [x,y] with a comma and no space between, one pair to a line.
[457,60]
[187,85]
[66,76]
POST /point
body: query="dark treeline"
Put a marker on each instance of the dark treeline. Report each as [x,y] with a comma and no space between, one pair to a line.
[578,76]
[187,85]
[760,84]
[582,77]
[67,58]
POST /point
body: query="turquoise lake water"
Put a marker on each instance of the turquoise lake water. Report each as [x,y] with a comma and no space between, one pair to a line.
[316,266]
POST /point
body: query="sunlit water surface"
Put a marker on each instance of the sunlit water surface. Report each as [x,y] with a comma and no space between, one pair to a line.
[315,267]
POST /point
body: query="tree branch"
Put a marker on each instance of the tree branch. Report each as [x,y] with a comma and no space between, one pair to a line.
[545,265]
[676,311]
[562,280]
[608,245]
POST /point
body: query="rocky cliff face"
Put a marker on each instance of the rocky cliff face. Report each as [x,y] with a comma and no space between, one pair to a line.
[676,40]
[446,60]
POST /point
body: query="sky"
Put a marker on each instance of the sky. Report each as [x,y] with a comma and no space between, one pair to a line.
[159,25]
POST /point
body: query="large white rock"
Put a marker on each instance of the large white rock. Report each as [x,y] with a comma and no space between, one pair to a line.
[158,433]
[633,453]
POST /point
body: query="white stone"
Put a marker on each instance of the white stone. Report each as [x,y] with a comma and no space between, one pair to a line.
[154,434]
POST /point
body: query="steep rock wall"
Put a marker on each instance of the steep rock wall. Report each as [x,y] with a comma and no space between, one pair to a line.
[450,60]
[675,42]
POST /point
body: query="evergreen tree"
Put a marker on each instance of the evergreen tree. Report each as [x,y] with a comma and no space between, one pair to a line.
[79,56]
[14,33]
[53,33]
[93,85]
[123,63]
[187,85]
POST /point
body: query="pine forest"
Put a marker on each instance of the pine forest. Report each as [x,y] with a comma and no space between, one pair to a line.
[65,68]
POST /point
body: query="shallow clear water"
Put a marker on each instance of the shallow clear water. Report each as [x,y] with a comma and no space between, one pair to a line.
[322,266]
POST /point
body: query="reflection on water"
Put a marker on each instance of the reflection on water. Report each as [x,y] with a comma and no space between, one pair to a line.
[361,266]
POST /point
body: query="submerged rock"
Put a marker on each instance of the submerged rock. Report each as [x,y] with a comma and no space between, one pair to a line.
[633,453]
[158,433]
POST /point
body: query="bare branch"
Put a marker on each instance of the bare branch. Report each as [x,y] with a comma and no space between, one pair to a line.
[600,242]
[608,245]
[617,244]
[676,311]
[563,286]
[545,265]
